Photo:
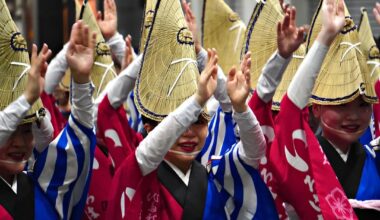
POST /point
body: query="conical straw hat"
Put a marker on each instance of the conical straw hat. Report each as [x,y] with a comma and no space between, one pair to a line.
[150,7]
[261,40]
[344,73]
[14,65]
[223,30]
[261,35]
[169,71]
[66,80]
[103,70]
[370,49]
[291,70]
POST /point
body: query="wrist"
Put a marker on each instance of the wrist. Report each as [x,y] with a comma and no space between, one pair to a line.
[30,98]
[81,78]
[325,37]
[198,48]
[200,100]
[240,108]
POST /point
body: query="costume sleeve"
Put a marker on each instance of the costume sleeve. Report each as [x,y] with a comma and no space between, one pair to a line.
[220,93]
[42,133]
[301,87]
[252,143]
[11,116]
[154,147]
[56,70]
[117,45]
[120,87]
[271,76]
[63,169]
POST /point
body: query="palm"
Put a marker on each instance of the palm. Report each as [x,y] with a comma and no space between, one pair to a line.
[81,59]
[333,16]
[108,26]
[238,88]
[376,13]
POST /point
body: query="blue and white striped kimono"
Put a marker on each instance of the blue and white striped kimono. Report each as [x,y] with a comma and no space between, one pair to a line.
[61,173]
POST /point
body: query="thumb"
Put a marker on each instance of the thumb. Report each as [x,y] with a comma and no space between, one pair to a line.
[232,74]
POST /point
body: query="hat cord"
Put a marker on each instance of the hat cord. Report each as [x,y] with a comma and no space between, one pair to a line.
[27,68]
[376,65]
[240,27]
[108,69]
[189,61]
[351,46]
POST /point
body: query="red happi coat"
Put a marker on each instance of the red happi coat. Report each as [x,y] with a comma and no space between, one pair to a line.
[114,131]
[57,120]
[304,176]
[102,173]
[376,110]
[263,112]
[134,196]
[116,140]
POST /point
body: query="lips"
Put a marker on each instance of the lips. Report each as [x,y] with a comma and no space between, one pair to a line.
[17,156]
[351,128]
[188,147]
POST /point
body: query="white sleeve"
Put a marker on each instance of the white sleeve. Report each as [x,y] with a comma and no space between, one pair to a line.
[43,134]
[302,84]
[220,93]
[271,76]
[252,144]
[117,45]
[118,89]
[154,147]
[82,103]
[56,70]
[11,117]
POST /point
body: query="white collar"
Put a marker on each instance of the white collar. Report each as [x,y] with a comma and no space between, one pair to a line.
[14,184]
[343,155]
[184,177]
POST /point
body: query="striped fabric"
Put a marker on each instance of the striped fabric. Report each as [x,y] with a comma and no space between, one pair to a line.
[133,115]
[369,134]
[221,136]
[63,170]
[237,189]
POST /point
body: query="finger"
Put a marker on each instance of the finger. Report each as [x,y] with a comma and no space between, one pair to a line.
[112,5]
[79,33]
[86,37]
[286,22]
[279,29]
[340,9]
[74,33]
[92,41]
[300,35]
[248,72]
[232,74]
[34,54]
[99,16]
[293,16]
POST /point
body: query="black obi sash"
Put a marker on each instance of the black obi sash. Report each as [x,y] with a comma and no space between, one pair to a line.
[20,206]
[192,198]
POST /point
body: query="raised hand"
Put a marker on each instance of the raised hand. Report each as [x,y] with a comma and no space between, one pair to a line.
[128,53]
[37,71]
[333,20]
[239,84]
[192,24]
[208,79]
[284,6]
[108,26]
[80,53]
[376,12]
[289,36]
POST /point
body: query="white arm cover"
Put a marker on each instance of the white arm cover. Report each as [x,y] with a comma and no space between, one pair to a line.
[82,103]
[43,134]
[302,85]
[252,144]
[56,70]
[11,116]
[117,45]
[271,76]
[153,148]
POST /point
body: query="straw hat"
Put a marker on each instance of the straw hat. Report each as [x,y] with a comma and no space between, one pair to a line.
[223,30]
[169,71]
[344,73]
[150,8]
[261,40]
[370,49]
[14,65]
[66,80]
[103,70]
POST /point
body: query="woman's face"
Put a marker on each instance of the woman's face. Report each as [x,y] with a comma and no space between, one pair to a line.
[17,150]
[344,124]
[188,146]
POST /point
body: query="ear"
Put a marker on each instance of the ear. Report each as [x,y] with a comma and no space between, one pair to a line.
[317,109]
[148,127]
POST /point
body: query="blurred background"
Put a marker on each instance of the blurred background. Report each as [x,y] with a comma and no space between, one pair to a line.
[49,21]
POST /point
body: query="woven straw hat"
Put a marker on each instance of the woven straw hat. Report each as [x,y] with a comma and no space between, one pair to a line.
[150,8]
[103,70]
[261,40]
[344,73]
[169,71]
[14,65]
[370,50]
[66,80]
[223,30]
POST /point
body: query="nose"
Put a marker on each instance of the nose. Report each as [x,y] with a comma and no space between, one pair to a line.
[354,115]
[189,132]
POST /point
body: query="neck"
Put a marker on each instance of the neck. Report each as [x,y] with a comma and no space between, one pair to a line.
[343,146]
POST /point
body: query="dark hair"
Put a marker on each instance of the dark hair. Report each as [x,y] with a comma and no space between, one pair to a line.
[146,120]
